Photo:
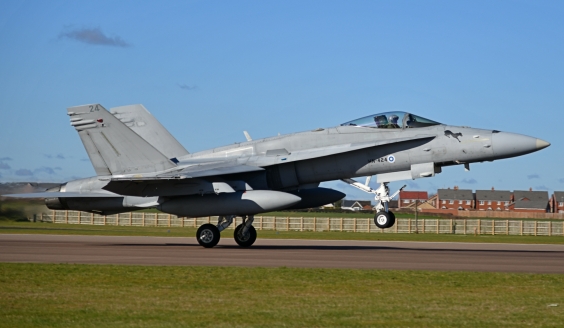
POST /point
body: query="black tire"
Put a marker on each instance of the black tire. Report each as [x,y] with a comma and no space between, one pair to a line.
[382,219]
[392,219]
[245,241]
[208,235]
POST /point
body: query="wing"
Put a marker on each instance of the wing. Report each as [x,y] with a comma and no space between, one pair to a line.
[186,181]
[48,194]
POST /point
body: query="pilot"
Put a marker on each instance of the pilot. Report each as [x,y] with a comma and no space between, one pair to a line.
[381,121]
[394,122]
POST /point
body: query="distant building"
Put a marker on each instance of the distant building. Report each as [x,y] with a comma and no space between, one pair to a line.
[393,204]
[406,198]
[530,201]
[455,199]
[493,200]
[557,202]
[356,205]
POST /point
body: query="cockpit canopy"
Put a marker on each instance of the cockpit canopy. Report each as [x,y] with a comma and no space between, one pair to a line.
[392,120]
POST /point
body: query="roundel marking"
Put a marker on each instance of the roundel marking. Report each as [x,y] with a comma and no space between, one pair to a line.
[391,159]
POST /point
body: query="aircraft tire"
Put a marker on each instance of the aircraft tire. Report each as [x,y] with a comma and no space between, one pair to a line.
[208,235]
[392,219]
[383,219]
[245,241]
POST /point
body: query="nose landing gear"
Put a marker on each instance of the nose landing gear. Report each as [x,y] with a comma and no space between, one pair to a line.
[384,218]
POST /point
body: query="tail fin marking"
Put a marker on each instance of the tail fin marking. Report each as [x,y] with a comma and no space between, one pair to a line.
[114,148]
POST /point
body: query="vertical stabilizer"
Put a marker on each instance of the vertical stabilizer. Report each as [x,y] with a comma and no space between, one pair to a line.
[140,120]
[112,147]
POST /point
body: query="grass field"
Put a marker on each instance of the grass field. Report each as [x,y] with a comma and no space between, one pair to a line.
[68,295]
[74,229]
[59,295]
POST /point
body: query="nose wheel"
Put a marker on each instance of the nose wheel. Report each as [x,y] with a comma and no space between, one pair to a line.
[384,220]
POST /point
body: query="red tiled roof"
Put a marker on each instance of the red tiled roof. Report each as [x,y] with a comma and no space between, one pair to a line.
[413,195]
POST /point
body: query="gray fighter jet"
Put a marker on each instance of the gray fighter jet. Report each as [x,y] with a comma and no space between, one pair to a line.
[140,165]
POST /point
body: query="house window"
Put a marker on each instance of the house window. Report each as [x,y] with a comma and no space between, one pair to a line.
[506,203]
[561,204]
[489,202]
[498,202]
[467,202]
[459,202]
[444,201]
[481,202]
[405,201]
[451,201]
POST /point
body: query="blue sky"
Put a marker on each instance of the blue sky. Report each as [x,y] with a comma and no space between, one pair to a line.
[210,69]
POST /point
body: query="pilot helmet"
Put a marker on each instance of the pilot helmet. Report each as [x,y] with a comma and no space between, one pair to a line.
[394,118]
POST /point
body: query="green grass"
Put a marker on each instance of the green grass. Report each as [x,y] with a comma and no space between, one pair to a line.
[75,229]
[63,295]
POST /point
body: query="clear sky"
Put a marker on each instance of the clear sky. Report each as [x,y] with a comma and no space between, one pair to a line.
[210,69]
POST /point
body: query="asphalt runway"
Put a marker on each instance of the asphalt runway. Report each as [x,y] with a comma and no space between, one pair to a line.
[278,252]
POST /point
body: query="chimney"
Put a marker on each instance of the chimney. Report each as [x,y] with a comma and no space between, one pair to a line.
[455,187]
[493,188]
[531,189]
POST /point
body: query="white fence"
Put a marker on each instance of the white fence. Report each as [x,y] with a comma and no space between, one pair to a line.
[403,225]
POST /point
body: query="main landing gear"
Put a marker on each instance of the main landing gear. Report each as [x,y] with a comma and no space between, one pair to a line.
[384,218]
[245,235]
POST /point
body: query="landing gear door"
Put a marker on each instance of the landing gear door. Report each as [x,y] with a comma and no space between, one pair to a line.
[424,170]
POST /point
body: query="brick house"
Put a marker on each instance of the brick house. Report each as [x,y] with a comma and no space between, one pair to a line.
[529,201]
[557,202]
[493,200]
[406,198]
[455,199]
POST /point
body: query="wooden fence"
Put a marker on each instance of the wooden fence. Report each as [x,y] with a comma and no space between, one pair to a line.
[509,215]
[403,225]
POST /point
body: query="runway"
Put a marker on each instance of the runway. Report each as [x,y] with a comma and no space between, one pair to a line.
[277,252]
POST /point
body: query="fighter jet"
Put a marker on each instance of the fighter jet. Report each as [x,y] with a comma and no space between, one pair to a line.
[139,164]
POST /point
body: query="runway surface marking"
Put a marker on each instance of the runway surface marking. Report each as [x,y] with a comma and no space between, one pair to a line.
[533,258]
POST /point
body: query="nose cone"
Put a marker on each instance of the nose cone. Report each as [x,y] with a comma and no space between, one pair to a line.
[541,144]
[507,144]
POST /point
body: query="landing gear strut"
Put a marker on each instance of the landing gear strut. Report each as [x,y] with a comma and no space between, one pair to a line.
[384,218]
